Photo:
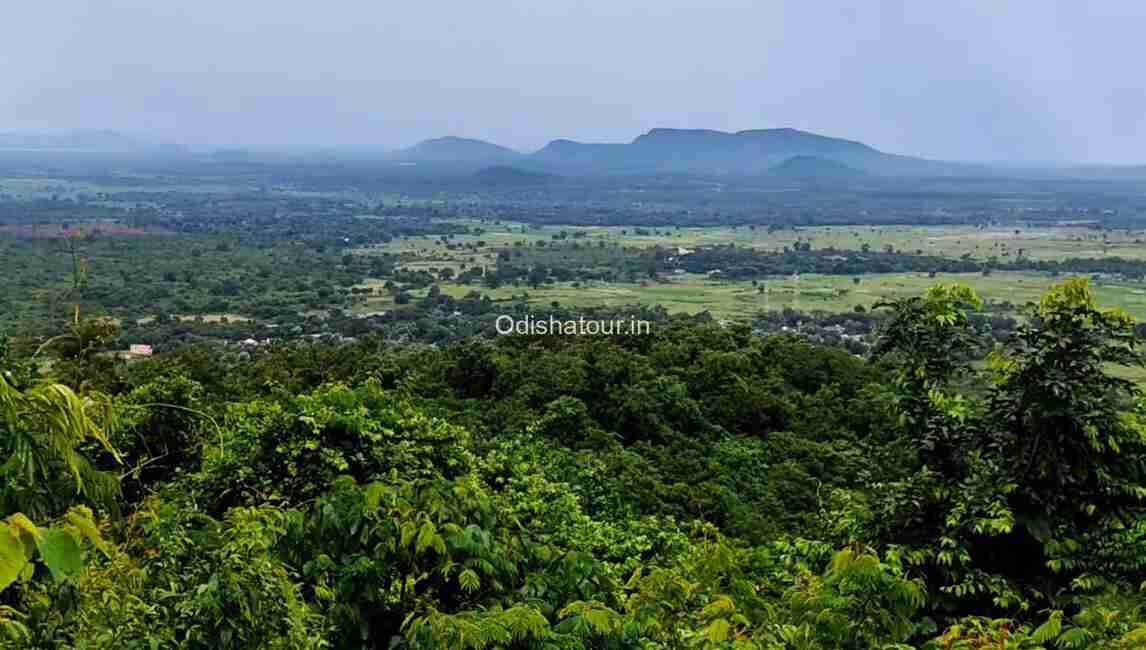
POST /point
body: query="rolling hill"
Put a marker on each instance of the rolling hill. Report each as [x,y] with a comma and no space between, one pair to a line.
[815,168]
[505,175]
[453,149]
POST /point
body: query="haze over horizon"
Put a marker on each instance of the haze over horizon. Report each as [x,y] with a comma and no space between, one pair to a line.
[1020,82]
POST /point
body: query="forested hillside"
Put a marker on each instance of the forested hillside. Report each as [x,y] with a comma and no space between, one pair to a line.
[701,486]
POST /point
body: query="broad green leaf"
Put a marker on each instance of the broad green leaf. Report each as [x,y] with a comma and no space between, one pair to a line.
[425,536]
[13,555]
[374,495]
[717,630]
[24,525]
[61,553]
[409,529]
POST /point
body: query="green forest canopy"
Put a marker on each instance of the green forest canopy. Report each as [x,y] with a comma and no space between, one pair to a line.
[698,487]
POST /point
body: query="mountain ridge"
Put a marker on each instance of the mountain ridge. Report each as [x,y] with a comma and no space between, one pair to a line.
[752,151]
[672,150]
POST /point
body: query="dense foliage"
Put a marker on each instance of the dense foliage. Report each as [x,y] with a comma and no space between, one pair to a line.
[703,486]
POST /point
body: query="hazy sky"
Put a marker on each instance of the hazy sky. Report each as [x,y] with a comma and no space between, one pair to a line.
[1019,80]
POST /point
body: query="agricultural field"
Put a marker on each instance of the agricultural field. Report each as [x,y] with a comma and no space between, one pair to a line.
[1041,243]
[179,252]
[742,299]
[692,293]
